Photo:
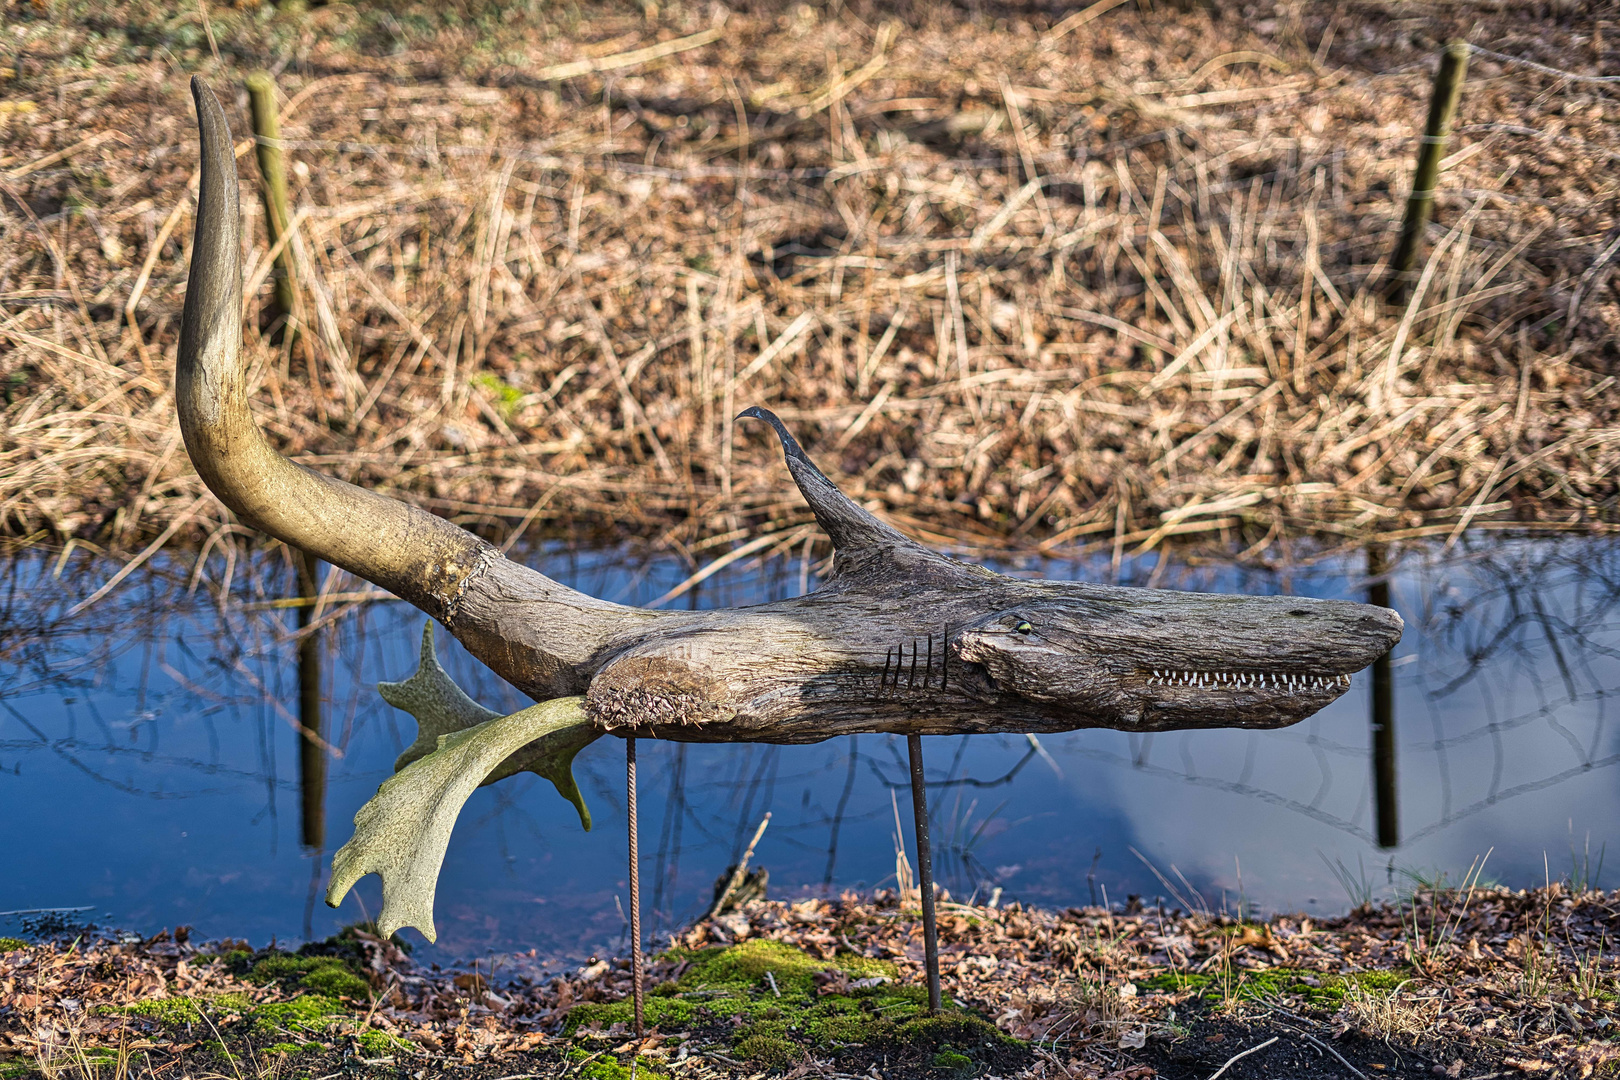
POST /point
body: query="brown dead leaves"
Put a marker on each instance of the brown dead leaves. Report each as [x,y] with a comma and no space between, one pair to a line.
[1523,979]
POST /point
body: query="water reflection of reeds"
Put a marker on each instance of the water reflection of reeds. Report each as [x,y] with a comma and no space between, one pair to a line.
[1500,638]
[170,689]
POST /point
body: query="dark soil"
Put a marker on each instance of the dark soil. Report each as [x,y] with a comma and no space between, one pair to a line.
[1302,1050]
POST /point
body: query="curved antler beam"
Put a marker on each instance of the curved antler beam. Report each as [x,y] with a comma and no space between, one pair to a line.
[531,630]
[409,552]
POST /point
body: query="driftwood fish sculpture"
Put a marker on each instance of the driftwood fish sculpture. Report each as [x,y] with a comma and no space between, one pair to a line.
[898,639]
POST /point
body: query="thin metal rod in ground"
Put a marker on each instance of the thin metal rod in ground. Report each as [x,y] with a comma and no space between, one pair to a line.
[635,880]
[925,869]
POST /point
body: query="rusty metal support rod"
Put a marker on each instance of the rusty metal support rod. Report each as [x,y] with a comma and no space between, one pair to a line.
[635,881]
[925,869]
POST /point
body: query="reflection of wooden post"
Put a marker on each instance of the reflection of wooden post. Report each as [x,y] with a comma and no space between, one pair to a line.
[1448,83]
[925,869]
[312,736]
[267,126]
[1383,713]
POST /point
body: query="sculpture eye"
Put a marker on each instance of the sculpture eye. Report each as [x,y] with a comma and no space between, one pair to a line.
[1023,627]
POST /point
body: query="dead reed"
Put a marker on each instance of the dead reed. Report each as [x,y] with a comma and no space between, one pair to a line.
[1014,284]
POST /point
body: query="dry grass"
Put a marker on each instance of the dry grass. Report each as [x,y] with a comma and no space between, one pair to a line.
[1100,1010]
[1113,287]
[1389,1014]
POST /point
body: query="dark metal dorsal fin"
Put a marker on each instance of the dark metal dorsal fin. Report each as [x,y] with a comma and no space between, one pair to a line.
[851,527]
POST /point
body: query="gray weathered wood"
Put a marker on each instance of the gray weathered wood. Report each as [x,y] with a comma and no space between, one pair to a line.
[898,639]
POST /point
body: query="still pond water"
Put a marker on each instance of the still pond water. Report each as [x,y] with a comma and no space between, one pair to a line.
[150,769]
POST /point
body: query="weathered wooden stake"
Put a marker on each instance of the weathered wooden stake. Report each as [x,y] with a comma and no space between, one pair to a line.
[1448,84]
[925,869]
[261,89]
[635,881]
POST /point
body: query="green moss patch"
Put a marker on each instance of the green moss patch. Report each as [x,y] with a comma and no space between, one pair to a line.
[310,1021]
[1326,995]
[374,1043]
[849,1005]
[280,1048]
[602,1067]
[180,1011]
[335,967]
[747,965]
[311,1015]
[330,976]
[312,1018]
[771,1051]
[78,1063]
[11,944]
[170,1012]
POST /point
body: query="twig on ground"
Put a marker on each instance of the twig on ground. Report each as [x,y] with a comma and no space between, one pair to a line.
[1241,1054]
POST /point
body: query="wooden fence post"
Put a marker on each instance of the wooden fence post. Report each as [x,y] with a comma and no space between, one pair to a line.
[1448,83]
[261,89]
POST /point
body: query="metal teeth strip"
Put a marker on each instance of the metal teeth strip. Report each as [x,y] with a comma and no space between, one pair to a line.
[1247,680]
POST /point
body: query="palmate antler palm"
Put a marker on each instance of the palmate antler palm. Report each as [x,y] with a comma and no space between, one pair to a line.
[898,639]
